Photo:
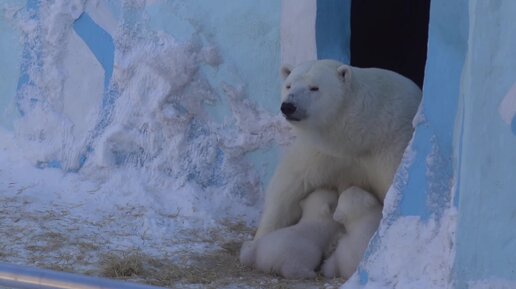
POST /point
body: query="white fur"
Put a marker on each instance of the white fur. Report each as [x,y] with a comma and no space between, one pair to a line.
[352,131]
[295,251]
[360,212]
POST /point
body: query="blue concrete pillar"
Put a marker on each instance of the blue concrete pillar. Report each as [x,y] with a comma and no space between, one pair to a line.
[333,29]
[486,238]
[417,208]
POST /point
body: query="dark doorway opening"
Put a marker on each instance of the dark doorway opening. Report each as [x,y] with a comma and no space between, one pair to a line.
[391,34]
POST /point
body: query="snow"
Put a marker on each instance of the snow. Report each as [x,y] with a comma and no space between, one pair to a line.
[409,252]
[118,213]
[412,254]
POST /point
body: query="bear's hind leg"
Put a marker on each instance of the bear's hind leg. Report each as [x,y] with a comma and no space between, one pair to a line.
[330,267]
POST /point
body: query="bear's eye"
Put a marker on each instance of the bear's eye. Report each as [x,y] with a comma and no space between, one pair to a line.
[288,86]
[314,88]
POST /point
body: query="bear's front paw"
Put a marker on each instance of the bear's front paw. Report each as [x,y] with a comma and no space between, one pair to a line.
[247,253]
[297,272]
[329,267]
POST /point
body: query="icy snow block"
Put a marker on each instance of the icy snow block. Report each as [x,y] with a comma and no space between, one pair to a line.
[27,58]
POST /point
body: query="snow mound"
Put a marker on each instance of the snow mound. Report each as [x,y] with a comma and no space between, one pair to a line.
[152,133]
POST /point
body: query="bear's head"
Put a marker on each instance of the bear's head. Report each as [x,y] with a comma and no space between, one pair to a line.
[314,93]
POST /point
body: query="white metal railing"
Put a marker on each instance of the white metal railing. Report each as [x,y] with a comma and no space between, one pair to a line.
[22,277]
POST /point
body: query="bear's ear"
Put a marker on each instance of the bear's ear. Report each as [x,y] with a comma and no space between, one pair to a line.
[285,71]
[344,72]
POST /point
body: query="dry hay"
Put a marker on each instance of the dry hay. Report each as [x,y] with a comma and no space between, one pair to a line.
[217,269]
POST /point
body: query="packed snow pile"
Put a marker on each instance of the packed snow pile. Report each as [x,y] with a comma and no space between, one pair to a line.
[151,131]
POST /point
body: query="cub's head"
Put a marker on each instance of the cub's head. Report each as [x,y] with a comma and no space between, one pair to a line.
[354,203]
[320,204]
[314,93]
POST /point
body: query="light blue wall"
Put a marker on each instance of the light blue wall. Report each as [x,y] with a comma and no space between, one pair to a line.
[333,29]
[486,235]
[428,190]
[465,147]
[242,30]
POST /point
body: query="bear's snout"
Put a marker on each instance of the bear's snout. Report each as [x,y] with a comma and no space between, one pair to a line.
[291,112]
[288,108]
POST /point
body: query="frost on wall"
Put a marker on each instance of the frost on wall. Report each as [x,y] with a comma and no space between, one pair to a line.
[412,252]
[150,124]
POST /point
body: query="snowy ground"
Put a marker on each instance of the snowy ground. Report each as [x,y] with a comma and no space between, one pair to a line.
[54,220]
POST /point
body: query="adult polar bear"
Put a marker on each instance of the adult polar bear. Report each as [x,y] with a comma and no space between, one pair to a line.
[351,125]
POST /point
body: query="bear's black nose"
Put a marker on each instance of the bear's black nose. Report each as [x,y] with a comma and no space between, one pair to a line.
[288,108]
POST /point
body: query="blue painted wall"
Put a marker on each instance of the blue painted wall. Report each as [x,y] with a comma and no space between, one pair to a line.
[428,190]
[99,42]
[423,187]
[464,147]
[242,30]
[486,238]
[333,29]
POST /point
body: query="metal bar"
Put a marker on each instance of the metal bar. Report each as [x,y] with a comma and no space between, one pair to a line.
[22,277]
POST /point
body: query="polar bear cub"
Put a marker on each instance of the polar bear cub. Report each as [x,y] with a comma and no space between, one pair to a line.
[360,212]
[296,251]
